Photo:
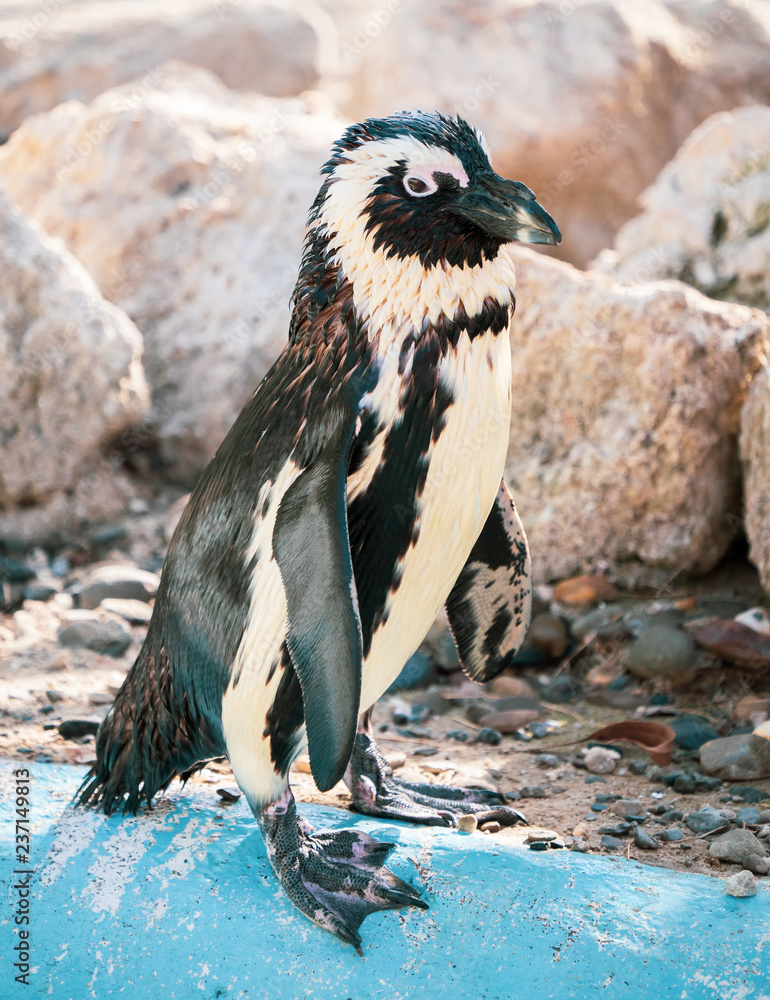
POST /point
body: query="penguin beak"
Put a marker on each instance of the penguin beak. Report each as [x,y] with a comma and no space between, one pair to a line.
[507,210]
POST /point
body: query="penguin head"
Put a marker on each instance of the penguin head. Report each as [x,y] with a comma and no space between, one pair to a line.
[421,186]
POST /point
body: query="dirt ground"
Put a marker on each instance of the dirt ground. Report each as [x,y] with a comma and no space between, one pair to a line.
[42,684]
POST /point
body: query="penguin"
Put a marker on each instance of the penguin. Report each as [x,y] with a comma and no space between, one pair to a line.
[359,491]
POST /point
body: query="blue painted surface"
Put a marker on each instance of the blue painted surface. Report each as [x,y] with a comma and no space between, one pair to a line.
[180,903]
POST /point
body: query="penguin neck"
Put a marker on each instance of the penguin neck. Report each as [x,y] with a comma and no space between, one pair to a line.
[397,299]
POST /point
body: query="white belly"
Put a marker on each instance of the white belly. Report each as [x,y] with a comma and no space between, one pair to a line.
[466,466]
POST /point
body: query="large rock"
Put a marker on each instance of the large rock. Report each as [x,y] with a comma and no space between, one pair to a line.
[583,101]
[55,51]
[626,405]
[206,193]
[706,219]
[71,382]
[755,454]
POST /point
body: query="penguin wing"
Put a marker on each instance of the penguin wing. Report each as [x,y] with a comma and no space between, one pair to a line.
[491,602]
[312,549]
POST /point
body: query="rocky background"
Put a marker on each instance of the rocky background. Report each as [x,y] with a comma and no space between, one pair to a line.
[156,169]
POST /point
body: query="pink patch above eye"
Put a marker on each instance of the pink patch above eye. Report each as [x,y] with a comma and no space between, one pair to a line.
[427,172]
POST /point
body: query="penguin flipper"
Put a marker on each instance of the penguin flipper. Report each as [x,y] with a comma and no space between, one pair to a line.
[312,549]
[490,604]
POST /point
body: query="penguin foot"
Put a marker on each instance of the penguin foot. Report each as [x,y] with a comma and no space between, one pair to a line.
[337,878]
[377,793]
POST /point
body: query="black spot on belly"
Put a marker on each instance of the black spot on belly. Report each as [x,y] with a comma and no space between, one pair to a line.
[496,632]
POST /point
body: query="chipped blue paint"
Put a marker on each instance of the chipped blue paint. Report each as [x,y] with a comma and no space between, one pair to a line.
[180,903]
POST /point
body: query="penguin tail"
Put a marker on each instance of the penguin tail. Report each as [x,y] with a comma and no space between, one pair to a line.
[147,738]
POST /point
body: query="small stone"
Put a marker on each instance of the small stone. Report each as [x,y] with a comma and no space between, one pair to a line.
[127,582]
[692,731]
[585,590]
[396,760]
[764,816]
[593,779]
[101,698]
[644,841]
[671,816]
[510,687]
[611,843]
[598,807]
[590,818]
[671,835]
[605,797]
[705,821]
[579,845]
[662,651]
[654,774]
[618,830]
[416,673]
[563,689]
[628,807]
[425,752]
[684,784]
[54,696]
[759,864]
[749,814]
[459,735]
[548,634]
[467,823]
[403,713]
[745,757]
[540,833]
[490,737]
[108,637]
[599,760]
[735,845]
[538,729]
[742,884]
[538,845]
[547,760]
[752,710]
[37,590]
[533,792]
[491,827]
[135,612]
[508,722]
[72,729]
[608,617]
[228,795]
[746,793]
[736,644]
[703,783]
[637,766]
[582,829]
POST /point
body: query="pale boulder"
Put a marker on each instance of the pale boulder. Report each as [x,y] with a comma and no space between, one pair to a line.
[626,408]
[582,101]
[706,219]
[755,454]
[188,207]
[56,51]
[71,384]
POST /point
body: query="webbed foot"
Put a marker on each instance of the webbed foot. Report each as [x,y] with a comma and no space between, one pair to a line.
[377,793]
[337,878]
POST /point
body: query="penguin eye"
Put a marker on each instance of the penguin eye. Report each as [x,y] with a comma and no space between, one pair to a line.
[419,186]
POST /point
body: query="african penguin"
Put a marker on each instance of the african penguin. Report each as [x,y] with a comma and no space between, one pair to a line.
[358,492]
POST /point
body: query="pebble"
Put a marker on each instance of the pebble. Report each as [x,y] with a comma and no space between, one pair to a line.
[751,710]
[637,766]
[749,814]
[736,644]
[548,634]
[755,618]
[735,845]
[101,698]
[577,844]
[619,830]
[611,843]
[538,729]
[467,823]
[135,612]
[764,816]
[692,731]
[37,590]
[628,807]
[540,833]
[746,793]
[510,687]
[491,827]
[599,760]
[533,792]
[742,884]
[108,638]
[662,651]
[404,714]
[538,845]
[127,582]
[671,835]
[53,696]
[598,807]
[705,821]
[581,830]
[459,735]
[605,797]
[228,795]
[599,620]
[585,590]
[563,689]
[72,729]
[671,816]
[508,722]
[759,864]
[425,752]
[416,673]
[745,757]
[643,840]
[490,737]
[595,779]
[547,760]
